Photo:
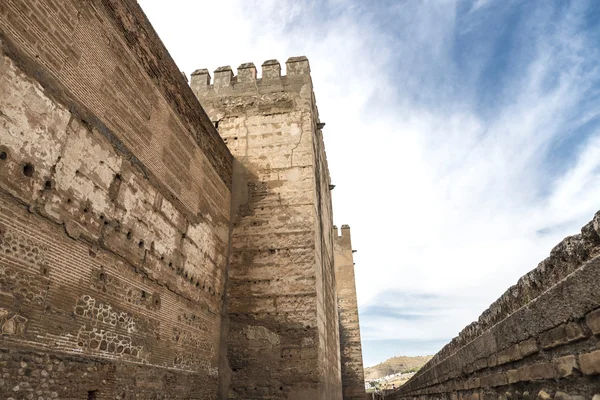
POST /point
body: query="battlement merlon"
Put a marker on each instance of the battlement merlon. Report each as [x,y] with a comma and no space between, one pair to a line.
[296,67]
[342,238]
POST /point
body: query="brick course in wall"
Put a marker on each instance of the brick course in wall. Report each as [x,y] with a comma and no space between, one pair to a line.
[114,210]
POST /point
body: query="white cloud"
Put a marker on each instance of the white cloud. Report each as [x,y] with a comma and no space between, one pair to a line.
[442,199]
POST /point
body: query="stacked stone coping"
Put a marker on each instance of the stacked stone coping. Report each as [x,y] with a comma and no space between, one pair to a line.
[573,258]
[296,67]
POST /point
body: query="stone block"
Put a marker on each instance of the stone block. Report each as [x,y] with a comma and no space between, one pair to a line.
[565,366]
[593,321]
[528,347]
[536,372]
[590,363]
[543,395]
[563,334]
[513,376]
[473,383]
[509,355]
[494,380]
[562,396]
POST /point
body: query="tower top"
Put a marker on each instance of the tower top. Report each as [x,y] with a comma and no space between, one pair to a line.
[296,67]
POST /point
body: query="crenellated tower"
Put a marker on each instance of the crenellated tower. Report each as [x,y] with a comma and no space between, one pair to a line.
[353,380]
[283,337]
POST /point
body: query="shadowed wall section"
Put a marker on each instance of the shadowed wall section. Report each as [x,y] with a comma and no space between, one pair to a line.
[114,210]
[353,379]
[539,340]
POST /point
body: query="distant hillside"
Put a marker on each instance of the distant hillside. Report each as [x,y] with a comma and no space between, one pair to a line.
[394,365]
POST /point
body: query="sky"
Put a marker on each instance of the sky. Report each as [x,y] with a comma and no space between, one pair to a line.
[463,137]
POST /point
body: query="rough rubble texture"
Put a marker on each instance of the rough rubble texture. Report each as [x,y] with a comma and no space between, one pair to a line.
[541,339]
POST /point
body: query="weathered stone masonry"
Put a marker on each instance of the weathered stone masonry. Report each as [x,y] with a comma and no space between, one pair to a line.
[353,379]
[138,259]
[114,210]
[540,340]
[283,337]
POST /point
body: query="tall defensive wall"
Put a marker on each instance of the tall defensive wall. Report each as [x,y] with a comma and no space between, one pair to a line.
[114,210]
[138,258]
[353,378]
[283,339]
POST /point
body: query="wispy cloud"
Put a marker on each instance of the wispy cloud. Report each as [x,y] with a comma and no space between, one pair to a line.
[463,137]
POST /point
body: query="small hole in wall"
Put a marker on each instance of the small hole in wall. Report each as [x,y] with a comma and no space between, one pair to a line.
[143,294]
[280,387]
[129,235]
[92,395]
[141,244]
[3,156]
[235,138]
[48,185]
[156,302]
[69,201]
[86,210]
[28,170]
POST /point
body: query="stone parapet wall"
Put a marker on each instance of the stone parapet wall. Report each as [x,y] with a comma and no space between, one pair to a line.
[540,338]
[114,210]
[283,334]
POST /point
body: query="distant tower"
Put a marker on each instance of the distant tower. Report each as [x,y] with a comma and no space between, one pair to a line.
[283,340]
[353,380]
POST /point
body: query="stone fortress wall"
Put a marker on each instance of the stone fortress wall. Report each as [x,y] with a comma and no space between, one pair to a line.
[138,258]
[114,210]
[283,339]
[353,378]
[540,340]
